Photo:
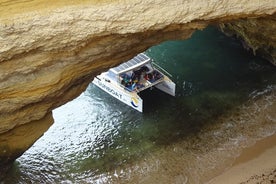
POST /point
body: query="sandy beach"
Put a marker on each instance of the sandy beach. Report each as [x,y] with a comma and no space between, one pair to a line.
[256,164]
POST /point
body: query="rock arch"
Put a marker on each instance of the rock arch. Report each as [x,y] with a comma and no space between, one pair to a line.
[49,55]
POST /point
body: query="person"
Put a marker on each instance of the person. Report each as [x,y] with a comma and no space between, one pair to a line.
[146,76]
[142,77]
[135,78]
[133,86]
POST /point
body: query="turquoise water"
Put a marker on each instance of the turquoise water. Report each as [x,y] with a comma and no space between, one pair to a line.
[97,139]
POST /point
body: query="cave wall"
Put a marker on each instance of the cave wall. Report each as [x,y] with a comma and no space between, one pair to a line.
[257,35]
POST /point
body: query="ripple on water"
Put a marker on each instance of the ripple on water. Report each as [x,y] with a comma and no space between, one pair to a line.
[197,158]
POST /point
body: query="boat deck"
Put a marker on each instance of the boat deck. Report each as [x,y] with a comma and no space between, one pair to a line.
[141,82]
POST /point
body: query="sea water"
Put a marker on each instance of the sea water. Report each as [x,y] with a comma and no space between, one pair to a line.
[220,89]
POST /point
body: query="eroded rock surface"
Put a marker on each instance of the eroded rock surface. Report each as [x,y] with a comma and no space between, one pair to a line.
[49,53]
[257,34]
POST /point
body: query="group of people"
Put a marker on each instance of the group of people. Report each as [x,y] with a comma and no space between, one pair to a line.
[137,79]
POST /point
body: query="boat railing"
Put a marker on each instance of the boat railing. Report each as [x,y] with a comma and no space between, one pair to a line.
[162,69]
[146,85]
[151,84]
[151,78]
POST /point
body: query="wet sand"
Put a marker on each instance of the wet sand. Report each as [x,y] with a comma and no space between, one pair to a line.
[256,164]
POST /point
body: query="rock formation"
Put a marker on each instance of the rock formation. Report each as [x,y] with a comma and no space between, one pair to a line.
[257,34]
[49,53]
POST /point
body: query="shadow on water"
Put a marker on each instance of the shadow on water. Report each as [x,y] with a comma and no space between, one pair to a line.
[185,117]
[95,133]
[212,75]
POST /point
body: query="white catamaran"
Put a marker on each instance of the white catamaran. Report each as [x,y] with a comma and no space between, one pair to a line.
[125,81]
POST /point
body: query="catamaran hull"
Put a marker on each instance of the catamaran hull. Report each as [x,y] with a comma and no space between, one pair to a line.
[129,98]
[166,86]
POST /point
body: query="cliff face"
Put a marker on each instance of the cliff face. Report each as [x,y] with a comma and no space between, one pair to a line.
[257,34]
[49,55]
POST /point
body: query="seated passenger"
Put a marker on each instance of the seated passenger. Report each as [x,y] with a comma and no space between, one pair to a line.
[133,86]
[147,77]
[142,76]
[123,82]
[135,78]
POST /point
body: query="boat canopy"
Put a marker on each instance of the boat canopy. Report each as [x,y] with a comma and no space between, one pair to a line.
[136,62]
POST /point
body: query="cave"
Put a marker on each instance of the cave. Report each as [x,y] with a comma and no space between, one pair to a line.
[49,57]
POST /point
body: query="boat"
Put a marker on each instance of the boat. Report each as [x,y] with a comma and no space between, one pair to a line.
[127,80]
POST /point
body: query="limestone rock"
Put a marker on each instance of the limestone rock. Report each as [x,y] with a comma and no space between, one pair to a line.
[16,141]
[257,35]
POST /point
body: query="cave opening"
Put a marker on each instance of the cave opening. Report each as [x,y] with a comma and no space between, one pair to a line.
[95,137]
